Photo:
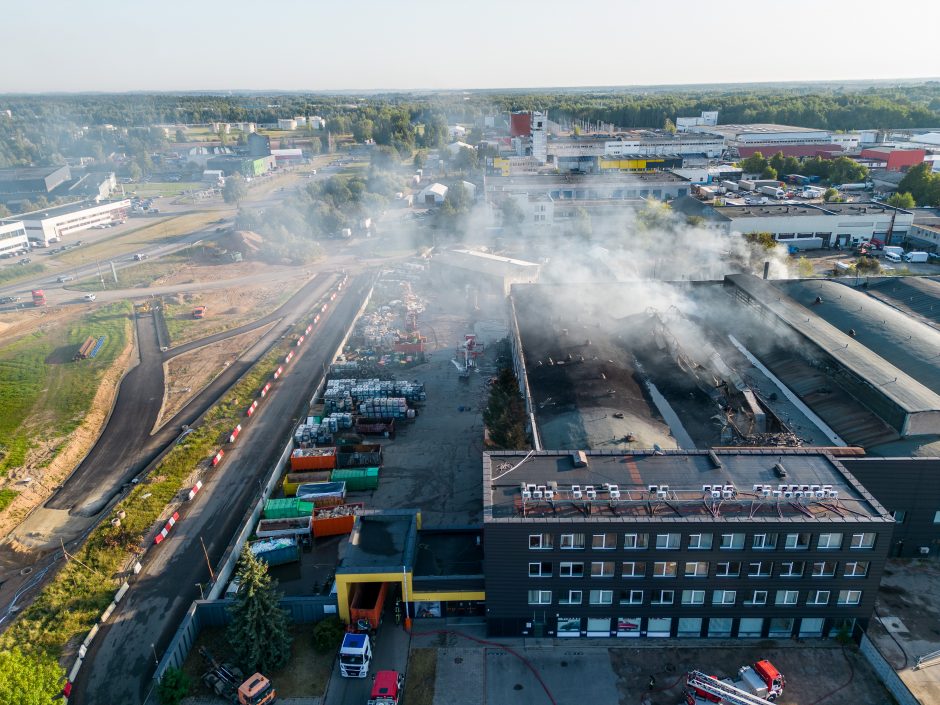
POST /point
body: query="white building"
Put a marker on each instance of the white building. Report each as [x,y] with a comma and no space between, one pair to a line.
[764,134]
[649,145]
[316,122]
[432,195]
[49,225]
[707,118]
[13,239]
[539,137]
[301,121]
[453,149]
[539,209]
[286,124]
[456,131]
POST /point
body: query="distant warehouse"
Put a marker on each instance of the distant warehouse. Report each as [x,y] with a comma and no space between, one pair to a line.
[52,224]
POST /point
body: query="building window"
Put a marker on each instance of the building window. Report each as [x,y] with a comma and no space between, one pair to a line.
[824,569]
[569,626]
[732,541]
[850,597]
[899,515]
[829,541]
[540,597]
[764,542]
[604,542]
[720,626]
[601,597]
[751,626]
[701,542]
[572,541]
[540,570]
[540,541]
[664,569]
[791,569]
[780,627]
[728,569]
[658,626]
[863,540]
[787,597]
[602,569]
[818,597]
[758,597]
[693,597]
[571,570]
[636,542]
[812,626]
[724,597]
[662,597]
[573,597]
[797,542]
[696,569]
[759,569]
[689,626]
[633,569]
[631,597]
[856,569]
[936,517]
[667,541]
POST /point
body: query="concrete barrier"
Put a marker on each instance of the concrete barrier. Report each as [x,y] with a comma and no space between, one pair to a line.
[121,592]
[195,490]
[218,458]
[234,434]
[886,673]
[107,613]
[169,525]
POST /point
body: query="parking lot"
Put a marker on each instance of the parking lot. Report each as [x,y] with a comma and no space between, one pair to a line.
[536,672]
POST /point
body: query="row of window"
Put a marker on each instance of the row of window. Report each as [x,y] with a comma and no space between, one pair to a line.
[700,569]
[701,542]
[753,627]
[782,598]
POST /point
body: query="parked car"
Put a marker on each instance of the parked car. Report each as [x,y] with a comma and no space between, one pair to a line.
[64,278]
[90,297]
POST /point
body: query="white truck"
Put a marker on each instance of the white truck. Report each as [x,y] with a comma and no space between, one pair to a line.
[355,655]
[893,250]
[916,257]
[773,191]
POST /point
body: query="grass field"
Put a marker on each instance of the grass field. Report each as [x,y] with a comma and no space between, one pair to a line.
[42,391]
[154,232]
[73,601]
[182,327]
[422,671]
[162,188]
[20,271]
[138,275]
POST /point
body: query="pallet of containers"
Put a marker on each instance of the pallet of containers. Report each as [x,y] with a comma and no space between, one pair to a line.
[293,480]
[357,479]
[335,521]
[392,407]
[312,459]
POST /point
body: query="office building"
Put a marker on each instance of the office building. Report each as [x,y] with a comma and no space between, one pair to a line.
[13,239]
[54,224]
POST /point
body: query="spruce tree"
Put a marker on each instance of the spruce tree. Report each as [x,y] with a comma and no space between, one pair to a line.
[258,632]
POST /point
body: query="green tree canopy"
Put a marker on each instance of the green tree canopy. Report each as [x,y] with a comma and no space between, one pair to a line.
[234,190]
[505,412]
[901,200]
[258,632]
[922,184]
[28,678]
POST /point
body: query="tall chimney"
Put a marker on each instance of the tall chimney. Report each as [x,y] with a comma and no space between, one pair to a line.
[766,269]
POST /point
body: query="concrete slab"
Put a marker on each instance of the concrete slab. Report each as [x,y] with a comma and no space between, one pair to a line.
[568,674]
[460,675]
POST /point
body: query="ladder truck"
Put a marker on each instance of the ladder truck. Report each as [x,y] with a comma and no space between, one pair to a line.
[703,689]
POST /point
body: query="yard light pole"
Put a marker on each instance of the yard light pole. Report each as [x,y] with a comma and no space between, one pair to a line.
[156,661]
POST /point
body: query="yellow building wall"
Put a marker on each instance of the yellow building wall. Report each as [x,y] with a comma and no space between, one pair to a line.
[345,581]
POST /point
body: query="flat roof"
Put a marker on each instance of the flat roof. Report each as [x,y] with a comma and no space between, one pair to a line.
[448,551]
[495,258]
[756,128]
[616,178]
[683,474]
[66,209]
[380,542]
[807,209]
[20,173]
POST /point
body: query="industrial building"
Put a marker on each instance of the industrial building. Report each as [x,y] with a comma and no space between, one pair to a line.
[288,157]
[679,544]
[34,180]
[13,238]
[482,271]
[925,232]
[659,185]
[894,159]
[764,134]
[53,224]
[808,226]
[244,165]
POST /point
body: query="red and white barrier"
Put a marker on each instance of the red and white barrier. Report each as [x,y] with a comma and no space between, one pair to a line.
[251,409]
[195,490]
[234,434]
[265,389]
[166,529]
[277,373]
[309,328]
[324,308]
[289,357]
[333,296]
[316,319]
[217,458]
[300,340]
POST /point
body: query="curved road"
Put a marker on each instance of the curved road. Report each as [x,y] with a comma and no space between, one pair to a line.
[119,664]
[125,446]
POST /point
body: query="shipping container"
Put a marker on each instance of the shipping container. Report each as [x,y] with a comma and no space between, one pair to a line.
[376,426]
[367,602]
[359,456]
[293,526]
[293,480]
[276,551]
[312,459]
[357,479]
[334,521]
[286,508]
[322,490]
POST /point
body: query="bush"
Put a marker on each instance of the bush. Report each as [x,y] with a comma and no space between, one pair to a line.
[173,687]
[328,635]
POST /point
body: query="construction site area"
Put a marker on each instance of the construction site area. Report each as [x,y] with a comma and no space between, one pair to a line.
[736,363]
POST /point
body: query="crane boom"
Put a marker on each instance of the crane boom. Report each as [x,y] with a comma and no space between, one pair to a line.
[726,693]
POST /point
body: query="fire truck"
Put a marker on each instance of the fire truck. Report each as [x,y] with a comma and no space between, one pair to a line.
[386,688]
[756,685]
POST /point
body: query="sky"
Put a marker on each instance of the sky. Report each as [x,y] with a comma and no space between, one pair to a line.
[171,45]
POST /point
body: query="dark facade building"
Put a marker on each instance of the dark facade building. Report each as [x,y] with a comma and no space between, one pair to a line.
[909,488]
[681,543]
[39,180]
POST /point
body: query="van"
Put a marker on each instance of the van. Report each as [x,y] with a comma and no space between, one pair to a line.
[892,257]
[899,251]
[916,257]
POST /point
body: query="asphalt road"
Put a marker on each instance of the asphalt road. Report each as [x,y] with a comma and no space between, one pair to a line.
[126,447]
[120,663]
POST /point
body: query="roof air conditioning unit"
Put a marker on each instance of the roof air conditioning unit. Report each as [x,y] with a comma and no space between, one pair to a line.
[814,488]
[526,494]
[729,488]
[788,493]
[819,494]
[522,486]
[924,550]
[664,488]
[716,494]
[727,495]
[537,494]
[653,488]
[766,491]
[614,493]
[776,494]
[758,488]
[549,494]
[613,488]
[706,488]
[662,495]
[592,493]
[576,491]
[798,494]
[531,487]
[804,488]
[783,488]
[827,488]
[590,488]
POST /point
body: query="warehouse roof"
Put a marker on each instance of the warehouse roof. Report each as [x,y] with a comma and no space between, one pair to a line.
[28,172]
[670,486]
[903,390]
[381,542]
